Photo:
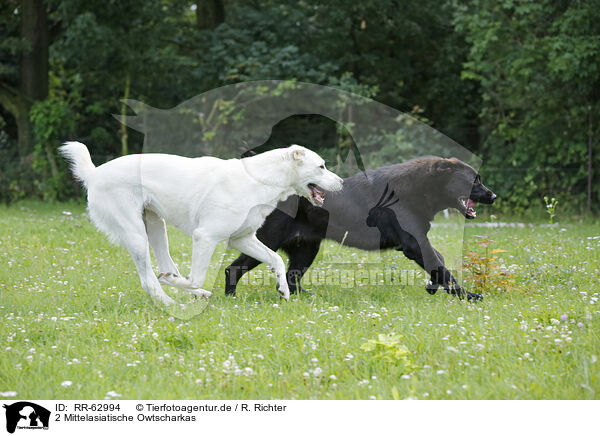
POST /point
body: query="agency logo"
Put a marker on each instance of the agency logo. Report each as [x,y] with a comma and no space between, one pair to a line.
[26,415]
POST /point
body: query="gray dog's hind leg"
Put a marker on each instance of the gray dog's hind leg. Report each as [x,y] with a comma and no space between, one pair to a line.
[235,271]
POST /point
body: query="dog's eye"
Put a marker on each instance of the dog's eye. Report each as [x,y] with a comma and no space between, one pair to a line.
[322,167]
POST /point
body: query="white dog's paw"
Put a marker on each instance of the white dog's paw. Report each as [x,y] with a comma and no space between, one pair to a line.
[165,299]
[171,279]
[200,292]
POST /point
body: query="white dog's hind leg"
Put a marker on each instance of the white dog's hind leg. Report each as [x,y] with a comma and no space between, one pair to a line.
[140,252]
[157,235]
[251,246]
[202,251]
[123,223]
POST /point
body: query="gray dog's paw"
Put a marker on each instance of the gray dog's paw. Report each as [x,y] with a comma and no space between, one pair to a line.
[431,289]
[472,296]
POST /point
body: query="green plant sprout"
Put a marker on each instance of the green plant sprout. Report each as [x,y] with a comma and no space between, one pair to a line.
[551,208]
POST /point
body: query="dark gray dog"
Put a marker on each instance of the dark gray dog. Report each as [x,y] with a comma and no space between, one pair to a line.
[385,208]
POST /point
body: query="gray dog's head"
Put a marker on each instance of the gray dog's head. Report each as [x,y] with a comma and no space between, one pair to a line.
[459,186]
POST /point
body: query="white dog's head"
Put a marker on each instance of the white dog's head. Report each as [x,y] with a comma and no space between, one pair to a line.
[313,179]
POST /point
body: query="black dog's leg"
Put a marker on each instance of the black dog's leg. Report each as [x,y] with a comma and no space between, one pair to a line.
[444,278]
[440,276]
[412,250]
[235,271]
[301,257]
[449,283]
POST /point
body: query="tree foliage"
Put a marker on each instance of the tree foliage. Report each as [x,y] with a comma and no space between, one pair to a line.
[538,66]
[516,81]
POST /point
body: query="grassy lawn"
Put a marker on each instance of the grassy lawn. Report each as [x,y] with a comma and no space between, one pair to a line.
[72,310]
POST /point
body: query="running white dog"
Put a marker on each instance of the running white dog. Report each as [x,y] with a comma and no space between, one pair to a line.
[210,199]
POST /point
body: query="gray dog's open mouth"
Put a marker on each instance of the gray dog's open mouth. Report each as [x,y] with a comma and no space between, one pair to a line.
[467,207]
[317,195]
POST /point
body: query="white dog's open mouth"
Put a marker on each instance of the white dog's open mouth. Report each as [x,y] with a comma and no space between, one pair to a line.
[317,195]
[467,207]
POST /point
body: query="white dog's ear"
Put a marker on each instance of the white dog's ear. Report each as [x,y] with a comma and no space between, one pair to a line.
[298,154]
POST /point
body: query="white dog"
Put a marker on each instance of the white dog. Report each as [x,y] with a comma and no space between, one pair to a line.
[210,199]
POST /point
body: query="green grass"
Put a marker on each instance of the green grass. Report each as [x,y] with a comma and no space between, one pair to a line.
[72,309]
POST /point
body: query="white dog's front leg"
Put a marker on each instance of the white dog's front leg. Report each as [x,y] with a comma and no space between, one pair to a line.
[251,246]
[202,250]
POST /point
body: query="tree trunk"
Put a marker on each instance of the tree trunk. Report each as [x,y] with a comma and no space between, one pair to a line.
[209,13]
[124,136]
[51,160]
[34,62]
[24,130]
[33,72]
[356,25]
[13,101]
[589,175]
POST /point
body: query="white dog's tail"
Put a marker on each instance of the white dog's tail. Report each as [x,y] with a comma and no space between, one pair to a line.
[81,162]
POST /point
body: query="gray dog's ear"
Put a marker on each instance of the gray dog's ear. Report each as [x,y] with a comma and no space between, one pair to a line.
[444,165]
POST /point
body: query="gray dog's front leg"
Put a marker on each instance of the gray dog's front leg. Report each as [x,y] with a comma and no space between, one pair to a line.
[433,263]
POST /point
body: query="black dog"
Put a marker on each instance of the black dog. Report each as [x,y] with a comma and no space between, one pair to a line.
[410,194]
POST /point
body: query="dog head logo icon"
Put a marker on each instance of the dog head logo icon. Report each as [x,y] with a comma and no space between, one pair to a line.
[26,415]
